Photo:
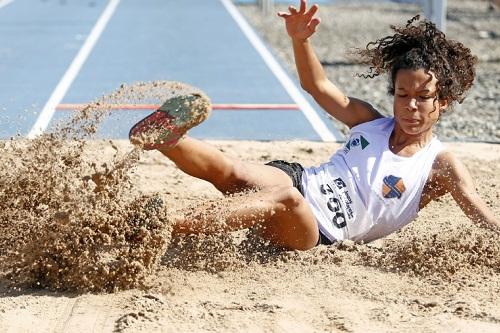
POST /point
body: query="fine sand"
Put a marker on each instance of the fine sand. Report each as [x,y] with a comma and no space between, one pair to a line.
[440,274]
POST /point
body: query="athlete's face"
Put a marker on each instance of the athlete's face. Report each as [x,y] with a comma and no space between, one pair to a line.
[416,106]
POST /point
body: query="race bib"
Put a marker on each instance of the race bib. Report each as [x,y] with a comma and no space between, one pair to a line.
[339,210]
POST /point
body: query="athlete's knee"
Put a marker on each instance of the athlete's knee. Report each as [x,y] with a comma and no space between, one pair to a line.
[231,177]
[289,198]
[237,173]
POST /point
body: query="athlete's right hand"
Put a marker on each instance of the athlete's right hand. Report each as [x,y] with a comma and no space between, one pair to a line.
[300,24]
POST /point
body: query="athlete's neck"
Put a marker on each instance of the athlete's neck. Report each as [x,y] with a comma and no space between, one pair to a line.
[404,144]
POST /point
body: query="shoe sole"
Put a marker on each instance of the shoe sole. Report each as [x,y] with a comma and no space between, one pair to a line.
[164,127]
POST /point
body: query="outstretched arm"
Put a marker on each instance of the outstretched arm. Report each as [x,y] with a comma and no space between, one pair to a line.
[456,179]
[300,25]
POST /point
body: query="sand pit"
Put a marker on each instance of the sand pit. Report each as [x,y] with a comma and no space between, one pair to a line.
[439,274]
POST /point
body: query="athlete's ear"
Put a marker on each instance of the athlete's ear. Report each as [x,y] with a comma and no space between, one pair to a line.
[443,104]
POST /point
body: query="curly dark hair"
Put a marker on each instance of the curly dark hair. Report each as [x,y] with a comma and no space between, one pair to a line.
[420,45]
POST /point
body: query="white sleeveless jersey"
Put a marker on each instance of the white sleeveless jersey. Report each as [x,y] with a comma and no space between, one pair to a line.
[365,191]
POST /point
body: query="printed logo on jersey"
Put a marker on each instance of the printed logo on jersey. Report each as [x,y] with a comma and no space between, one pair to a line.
[356,142]
[393,187]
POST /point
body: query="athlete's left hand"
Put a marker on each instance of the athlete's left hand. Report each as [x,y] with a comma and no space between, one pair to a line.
[300,24]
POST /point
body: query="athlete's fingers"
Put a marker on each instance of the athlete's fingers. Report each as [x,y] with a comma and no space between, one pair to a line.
[310,13]
[292,10]
[303,4]
[313,24]
[284,15]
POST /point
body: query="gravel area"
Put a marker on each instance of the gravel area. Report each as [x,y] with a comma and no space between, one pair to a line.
[346,25]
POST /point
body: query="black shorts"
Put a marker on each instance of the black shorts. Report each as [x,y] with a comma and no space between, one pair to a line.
[294,171]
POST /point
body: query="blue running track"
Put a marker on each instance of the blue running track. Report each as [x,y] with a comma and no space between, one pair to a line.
[200,42]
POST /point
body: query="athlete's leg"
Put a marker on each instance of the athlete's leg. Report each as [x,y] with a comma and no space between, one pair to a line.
[163,129]
[278,209]
[281,214]
[202,160]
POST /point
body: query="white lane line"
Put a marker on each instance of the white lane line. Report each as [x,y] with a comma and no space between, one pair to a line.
[60,91]
[314,119]
[4,3]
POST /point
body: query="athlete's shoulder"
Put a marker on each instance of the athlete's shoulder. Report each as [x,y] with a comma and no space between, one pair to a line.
[447,167]
[377,123]
[437,183]
[445,159]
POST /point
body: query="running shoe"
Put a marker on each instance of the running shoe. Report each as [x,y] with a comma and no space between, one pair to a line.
[166,126]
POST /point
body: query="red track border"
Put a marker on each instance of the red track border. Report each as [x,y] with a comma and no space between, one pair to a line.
[233,107]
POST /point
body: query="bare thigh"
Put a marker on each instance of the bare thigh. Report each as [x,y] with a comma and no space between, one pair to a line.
[252,176]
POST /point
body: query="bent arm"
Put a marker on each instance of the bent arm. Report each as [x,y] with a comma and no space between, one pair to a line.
[300,25]
[459,183]
[348,110]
